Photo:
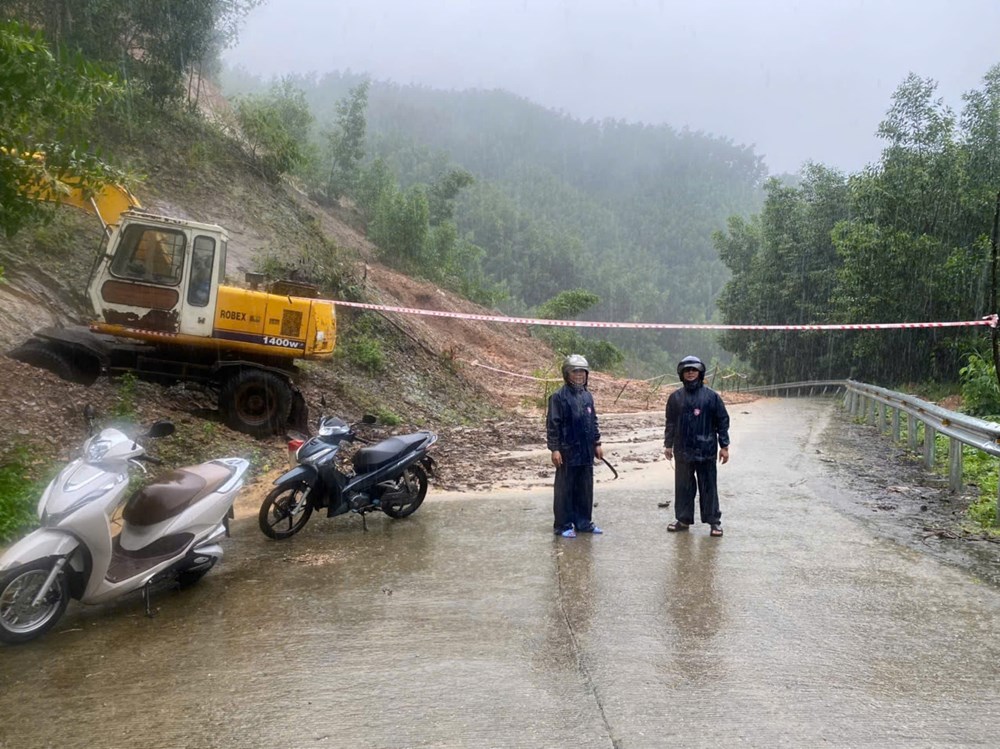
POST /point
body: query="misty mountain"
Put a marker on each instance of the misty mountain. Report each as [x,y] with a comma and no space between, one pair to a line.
[625,210]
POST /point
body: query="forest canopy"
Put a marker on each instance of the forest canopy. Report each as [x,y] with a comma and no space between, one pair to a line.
[906,240]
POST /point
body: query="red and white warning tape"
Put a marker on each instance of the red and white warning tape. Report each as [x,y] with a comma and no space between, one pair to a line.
[989,320]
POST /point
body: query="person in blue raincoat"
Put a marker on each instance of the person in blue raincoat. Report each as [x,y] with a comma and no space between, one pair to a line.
[574,438]
[696,432]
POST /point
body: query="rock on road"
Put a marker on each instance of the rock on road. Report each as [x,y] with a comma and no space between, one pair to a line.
[471,625]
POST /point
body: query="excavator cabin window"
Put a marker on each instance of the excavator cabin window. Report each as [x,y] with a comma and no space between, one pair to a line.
[151,254]
[202,265]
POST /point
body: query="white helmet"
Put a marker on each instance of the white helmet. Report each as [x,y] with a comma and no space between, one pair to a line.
[574,361]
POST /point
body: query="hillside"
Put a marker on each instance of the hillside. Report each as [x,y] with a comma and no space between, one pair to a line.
[434,371]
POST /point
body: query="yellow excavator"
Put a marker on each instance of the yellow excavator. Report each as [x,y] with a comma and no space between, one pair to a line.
[164,313]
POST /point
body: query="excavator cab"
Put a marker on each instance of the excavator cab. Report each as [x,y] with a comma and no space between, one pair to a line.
[161,280]
[159,277]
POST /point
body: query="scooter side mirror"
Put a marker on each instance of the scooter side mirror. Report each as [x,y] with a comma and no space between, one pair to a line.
[161,428]
[89,416]
[322,410]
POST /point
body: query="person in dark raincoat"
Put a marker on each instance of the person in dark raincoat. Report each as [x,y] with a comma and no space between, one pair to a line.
[697,431]
[574,439]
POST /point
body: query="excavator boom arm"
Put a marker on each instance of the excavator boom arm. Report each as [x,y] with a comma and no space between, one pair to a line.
[108,203]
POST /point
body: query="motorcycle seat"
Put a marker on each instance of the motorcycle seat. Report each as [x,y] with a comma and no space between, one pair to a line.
[372,458]
[172,493]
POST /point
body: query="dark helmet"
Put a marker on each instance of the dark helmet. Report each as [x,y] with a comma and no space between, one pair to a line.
[574,361]
[691,362]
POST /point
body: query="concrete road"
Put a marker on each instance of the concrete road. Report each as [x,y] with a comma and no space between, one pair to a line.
[470,625]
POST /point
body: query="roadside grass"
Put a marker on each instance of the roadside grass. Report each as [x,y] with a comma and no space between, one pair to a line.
[125,405]
[982,470]
[979,469]
[20,489]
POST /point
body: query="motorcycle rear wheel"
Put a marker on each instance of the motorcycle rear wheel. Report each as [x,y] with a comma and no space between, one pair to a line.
[400,507]
[19,620]
[285,511]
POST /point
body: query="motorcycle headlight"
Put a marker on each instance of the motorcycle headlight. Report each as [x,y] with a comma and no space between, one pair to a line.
[97,449]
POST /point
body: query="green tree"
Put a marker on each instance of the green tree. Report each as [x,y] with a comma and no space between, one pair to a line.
[373,182]
[47,108]
[346,142]
[909,251]
[565,306]
[153,43]
[904,240]
[442,194]
[784,266]
[981,126]
[275,127]
[400,227]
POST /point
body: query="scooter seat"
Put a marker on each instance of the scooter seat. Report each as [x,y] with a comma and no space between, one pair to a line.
[172,493]
[372,458]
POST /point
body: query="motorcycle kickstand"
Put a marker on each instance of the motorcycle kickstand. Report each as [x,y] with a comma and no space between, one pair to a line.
[364,523]
[145,600]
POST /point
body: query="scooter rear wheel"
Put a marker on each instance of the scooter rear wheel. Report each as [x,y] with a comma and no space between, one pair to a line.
[400,507]
[20,621]
[285,511]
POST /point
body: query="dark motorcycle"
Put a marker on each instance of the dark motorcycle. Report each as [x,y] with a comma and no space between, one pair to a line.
[390,476]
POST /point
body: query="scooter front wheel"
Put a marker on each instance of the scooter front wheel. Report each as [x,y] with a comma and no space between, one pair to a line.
[20,620]
[285,511]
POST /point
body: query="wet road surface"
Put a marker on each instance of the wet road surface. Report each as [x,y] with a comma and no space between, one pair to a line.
[470,625]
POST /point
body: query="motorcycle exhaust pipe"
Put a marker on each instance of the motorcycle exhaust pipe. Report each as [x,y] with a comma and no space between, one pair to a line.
[204,555]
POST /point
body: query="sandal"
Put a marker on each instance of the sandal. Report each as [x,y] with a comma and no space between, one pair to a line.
[716,530]
[677,525]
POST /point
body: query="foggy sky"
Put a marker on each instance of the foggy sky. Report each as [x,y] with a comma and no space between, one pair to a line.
[798,79]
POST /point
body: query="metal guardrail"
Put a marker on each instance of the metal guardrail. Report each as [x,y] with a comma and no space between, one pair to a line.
[881,407]
[814,387]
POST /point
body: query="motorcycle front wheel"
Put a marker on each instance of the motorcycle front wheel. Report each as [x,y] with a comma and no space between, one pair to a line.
[414,481]
[20,620]
[285,511]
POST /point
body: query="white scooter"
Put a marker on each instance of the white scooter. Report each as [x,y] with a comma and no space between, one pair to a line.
[170,532]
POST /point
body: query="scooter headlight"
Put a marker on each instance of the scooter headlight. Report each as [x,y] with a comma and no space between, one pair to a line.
[97,449]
